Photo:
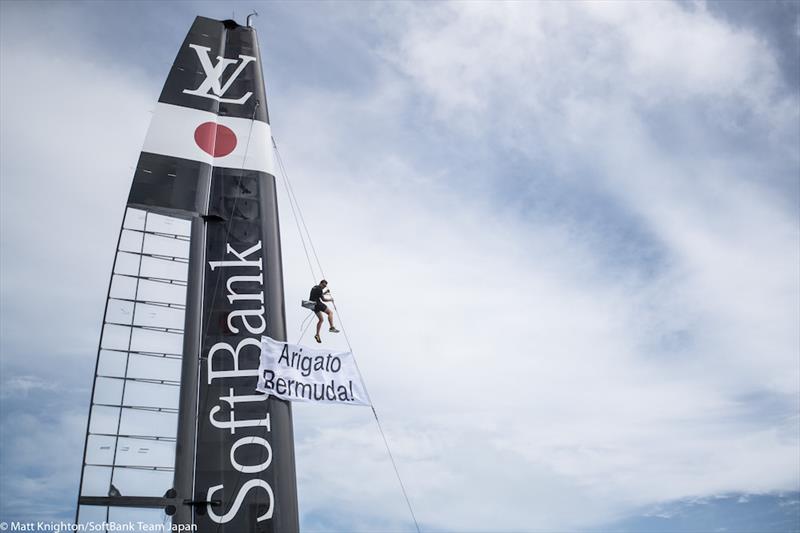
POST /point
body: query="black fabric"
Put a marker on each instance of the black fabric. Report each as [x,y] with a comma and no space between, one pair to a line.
[316,294]
[169,182]
[187,71]
[245,221]
[320,307]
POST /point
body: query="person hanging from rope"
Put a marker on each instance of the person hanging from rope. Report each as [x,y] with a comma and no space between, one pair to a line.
[319,295]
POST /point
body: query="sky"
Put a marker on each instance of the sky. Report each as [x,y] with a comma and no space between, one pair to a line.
[563,237]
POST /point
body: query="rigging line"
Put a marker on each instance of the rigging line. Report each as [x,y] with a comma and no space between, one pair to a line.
[377,419]
[304,326]
[302,218]
[344,331]
[394,465]
[292,203]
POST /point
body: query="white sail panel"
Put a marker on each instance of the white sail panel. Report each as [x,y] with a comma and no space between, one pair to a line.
[108,391]
[157,315]
[130,444]
[154,291]
[119,312]
[162,268]
[145,453]
[103,420]
[144,482]
[156,341]
[157,424]
[154,367]
[147,394]
[166,245]
[96,479]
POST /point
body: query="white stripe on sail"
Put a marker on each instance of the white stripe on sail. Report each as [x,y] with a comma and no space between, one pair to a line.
[172,133]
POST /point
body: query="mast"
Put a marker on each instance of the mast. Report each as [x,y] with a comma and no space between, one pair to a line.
[175,424]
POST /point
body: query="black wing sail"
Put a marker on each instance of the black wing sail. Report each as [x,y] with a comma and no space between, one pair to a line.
[175,423]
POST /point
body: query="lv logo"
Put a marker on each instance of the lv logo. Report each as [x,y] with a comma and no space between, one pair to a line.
[211,86]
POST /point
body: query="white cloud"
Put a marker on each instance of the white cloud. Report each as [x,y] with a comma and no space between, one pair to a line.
[72,131]
[591,402]
[25,384]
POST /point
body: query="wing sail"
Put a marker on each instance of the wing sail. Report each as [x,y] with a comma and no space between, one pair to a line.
[176,430]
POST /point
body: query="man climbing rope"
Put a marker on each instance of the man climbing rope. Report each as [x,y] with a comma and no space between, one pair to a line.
[320,294]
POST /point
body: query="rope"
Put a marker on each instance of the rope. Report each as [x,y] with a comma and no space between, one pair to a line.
[394,465]
[292,204]
[290,189]
[292,198]
[295,207]
[377,420]
[304,326]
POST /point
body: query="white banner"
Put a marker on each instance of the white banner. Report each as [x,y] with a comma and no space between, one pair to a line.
[301,374]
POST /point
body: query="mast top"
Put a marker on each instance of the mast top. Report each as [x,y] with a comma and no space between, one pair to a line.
[251,15]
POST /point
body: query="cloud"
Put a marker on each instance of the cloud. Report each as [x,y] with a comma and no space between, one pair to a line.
[24,385]
[69,159]
[72,130]
[624,385]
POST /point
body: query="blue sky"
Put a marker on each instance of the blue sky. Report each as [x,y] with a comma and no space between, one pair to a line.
[563,236]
